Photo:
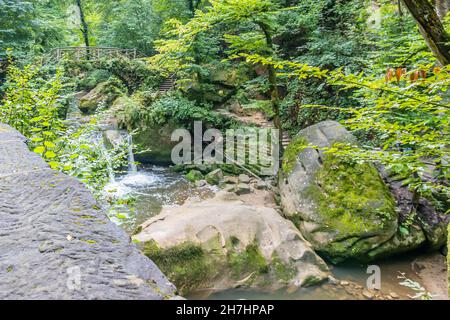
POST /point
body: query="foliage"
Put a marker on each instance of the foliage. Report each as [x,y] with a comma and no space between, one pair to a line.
[119,30]
[30,26]
[172,107]
[134,74]
[31,105]
[82,154]
[406,119]
[177,51]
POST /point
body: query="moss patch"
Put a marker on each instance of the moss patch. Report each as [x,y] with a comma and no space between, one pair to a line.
[186,265]
[194,175]
[246,262]
[297,145]
[283,271]
[351,200]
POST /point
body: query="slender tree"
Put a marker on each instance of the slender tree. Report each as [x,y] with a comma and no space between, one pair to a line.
[84,25]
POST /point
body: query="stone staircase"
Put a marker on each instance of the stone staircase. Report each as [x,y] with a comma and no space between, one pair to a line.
[168,84]
[286,139]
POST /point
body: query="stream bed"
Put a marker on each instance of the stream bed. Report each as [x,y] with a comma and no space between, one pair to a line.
[354,274]
[153,187]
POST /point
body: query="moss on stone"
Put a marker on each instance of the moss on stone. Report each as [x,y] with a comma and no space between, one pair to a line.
[297,145]
[89,241]
[194,175]
[349,195]
[351,199]
[283,271]
[312,281]
[248,261]
[186,265]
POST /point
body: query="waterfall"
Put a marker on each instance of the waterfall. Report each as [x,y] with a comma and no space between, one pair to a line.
[131,162]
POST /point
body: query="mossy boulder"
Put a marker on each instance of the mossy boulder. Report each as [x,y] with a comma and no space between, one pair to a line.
[156,144]
[350,209]
[224,242]
[103,94]
[230,76]
[344,209]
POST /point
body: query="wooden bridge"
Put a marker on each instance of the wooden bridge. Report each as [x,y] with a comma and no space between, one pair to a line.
[90,53]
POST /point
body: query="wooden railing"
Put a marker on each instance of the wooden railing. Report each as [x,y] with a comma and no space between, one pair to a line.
[90,53]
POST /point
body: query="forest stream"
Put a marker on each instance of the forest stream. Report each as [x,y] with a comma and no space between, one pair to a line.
[155,186]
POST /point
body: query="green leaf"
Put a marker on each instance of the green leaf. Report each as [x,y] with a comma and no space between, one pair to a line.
[49,144]
[50,155]
[54,165]
[39,149]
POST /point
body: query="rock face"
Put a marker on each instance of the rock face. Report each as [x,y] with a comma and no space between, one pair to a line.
[344,210]
[350,210]
[55,242]
[224,242]
[156,143]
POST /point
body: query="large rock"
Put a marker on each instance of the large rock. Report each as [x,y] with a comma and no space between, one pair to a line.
[103,94]
[224,242]
[344,210]
[55,241]
[156,143]
[350,210]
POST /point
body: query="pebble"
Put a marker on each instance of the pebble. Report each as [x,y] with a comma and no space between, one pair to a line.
[367,294]
[394,295]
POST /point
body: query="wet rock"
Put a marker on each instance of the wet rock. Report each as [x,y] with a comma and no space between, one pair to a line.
[40,209]
[103,94]
[113,138]
[394,295]
[368,294]
[214,177]
[157,144]
[261,185]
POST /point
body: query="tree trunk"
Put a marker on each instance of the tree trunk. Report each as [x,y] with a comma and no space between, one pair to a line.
[84,25]
[431,28]
[274,92]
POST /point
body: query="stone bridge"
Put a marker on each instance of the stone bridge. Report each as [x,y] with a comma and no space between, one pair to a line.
[55,241]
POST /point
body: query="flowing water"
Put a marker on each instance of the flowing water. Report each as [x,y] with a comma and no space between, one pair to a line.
[151,187]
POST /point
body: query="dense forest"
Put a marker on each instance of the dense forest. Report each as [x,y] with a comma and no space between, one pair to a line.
[355,89]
